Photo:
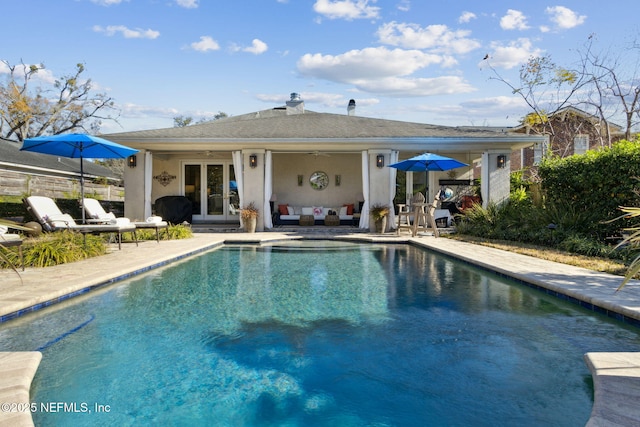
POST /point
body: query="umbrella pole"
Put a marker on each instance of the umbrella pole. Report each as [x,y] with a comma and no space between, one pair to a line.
[82,188]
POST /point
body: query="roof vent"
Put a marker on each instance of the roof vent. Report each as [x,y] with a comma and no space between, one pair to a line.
[295,105]
[351,108]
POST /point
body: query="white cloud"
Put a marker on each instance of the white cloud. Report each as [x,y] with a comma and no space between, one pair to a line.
[188,4]
[404,5]
[134,110]
[410,87]
[369,63]
[514,20]
[493,111]
[466,17]
[107,2]
[127,33]
[565,18]
[436,37]
[514,54]
[382,71]
[44,75]
[257,47]
[346,9]
[205,44]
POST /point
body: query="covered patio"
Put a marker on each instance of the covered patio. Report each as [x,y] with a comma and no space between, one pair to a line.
[273,157]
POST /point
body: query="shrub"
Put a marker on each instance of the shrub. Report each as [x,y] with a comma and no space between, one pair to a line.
[58,248]
[179,231]
[597,182]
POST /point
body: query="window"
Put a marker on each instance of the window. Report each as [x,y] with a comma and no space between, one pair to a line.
[539,150]
[580,144]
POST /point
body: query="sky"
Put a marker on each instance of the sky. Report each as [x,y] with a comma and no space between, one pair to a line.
[411,60]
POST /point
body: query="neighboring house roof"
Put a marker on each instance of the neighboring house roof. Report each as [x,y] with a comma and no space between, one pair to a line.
[12,158]
[279,129]
[562,113]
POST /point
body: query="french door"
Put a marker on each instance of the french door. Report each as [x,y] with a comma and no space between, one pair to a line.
[213,192]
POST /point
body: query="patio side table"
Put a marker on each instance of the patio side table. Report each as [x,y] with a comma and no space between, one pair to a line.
[306,220]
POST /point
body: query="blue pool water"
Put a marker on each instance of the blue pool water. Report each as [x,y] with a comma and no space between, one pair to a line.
[315,334]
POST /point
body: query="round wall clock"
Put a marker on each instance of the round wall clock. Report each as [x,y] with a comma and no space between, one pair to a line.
[319,180]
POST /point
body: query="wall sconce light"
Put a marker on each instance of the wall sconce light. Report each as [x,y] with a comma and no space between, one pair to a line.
[253,161]
[380,160]
[132,161]
[502,161]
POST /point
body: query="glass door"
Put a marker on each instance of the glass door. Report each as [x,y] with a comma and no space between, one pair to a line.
[213,191]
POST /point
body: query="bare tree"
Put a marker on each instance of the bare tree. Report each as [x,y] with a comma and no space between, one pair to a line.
[614,84]
[545,87]
[65,105]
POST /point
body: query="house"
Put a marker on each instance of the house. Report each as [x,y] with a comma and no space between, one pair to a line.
[271,155]
[568,131]
[25,172]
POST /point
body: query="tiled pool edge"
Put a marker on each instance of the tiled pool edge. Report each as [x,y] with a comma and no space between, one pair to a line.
[17,370]
[616,381]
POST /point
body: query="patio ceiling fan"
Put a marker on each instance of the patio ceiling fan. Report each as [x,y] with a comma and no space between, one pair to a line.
[318,153]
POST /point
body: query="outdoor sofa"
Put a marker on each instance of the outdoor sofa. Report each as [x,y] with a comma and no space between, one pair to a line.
[290,215]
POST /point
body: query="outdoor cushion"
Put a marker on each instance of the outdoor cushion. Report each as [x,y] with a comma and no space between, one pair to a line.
[283,209]
[47,213]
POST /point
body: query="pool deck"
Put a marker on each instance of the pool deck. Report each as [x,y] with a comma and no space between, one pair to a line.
[616,375]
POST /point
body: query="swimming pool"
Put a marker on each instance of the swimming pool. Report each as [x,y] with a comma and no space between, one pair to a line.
[316,333]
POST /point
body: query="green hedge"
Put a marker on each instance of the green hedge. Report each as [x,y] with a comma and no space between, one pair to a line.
[596,184]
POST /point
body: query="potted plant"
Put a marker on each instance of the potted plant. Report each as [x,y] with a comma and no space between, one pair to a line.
[249,215]
[379,213]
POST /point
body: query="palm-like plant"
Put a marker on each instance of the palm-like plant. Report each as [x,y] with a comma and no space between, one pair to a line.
[3,256]
[632,239]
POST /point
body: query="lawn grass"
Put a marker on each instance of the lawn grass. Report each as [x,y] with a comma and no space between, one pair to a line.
[592,263]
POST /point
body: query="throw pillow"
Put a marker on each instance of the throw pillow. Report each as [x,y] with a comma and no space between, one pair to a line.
[317,211]
[349,209]
[343,211]
[307,211]
[283,209]
[290,210]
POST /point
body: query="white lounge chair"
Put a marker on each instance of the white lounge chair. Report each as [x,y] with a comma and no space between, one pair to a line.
[97,214]
[47,213]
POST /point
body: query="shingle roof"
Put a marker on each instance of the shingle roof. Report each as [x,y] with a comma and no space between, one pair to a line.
[276,123]
[10,154]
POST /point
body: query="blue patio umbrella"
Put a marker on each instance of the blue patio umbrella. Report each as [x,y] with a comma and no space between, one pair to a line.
[427,162]
[78,146]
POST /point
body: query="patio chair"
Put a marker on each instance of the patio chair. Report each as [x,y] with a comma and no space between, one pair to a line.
[97,215]
[10,240]
[47,213]
[408,212]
